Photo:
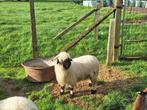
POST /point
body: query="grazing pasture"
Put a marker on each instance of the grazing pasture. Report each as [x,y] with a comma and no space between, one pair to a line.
[117,84]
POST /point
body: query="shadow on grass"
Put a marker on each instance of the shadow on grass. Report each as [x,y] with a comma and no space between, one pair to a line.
[22,87]
[134,84]
[19,87]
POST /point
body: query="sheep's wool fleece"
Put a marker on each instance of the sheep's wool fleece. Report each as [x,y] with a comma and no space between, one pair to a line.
[80,69]
[17,103]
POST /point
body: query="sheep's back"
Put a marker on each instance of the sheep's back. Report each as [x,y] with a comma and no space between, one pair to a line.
[17,103]
[87,60]
[84,65]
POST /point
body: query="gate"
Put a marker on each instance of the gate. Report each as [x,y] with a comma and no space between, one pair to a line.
[134,30]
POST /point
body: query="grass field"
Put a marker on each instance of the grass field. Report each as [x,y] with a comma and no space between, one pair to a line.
[38,0]
[51,18]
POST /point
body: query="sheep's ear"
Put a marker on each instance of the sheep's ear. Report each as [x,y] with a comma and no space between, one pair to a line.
[70,59]
[58,61]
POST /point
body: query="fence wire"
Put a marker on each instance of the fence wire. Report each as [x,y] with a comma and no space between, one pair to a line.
[134,28]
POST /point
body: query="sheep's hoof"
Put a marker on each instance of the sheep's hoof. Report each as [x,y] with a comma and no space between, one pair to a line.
[90,84]
[71,95]
[61,93]
[93,91]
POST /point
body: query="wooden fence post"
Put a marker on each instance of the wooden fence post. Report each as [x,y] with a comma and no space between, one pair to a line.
[33,27]
[98,6]
[117,27]
[110,45]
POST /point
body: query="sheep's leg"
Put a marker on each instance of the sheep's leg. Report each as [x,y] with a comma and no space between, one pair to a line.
[62,90]
[71,92]
[93,90]
[90,84]
[93,84]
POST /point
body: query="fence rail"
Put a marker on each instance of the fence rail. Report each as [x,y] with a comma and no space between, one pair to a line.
[87,31]
[66,30]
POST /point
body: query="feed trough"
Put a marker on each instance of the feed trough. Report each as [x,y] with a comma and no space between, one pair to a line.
[39,70]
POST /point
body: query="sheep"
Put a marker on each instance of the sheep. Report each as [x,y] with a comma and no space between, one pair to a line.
[70,71]
[141,101]
[17,103]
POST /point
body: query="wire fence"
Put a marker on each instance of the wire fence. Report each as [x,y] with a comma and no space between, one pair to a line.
[134,26]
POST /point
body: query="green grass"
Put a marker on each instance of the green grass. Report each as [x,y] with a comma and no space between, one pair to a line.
[12,72]
[93,103]
[3,94]
[38,0]
[114,101]
[134,31]
[47,102]
[51,18]
[16,28]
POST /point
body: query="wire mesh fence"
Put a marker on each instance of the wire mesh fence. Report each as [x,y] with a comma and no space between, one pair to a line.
[134,28]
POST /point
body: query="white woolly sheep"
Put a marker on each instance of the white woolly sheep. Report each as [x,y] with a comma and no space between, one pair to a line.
[70,71]
[17,103]
[141,101]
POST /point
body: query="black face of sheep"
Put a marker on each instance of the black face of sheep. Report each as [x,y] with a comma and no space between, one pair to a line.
[141,101]
[66,63]
[142,93]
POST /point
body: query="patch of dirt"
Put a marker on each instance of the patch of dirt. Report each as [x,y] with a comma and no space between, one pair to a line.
[7,85]
[108,79]
[9,88]
[106,75]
